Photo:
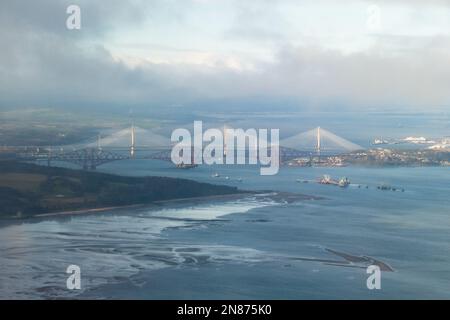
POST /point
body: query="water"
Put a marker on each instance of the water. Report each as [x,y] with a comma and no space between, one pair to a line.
[247,248]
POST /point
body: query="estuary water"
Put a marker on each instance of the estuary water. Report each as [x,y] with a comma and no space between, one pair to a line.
[247,248]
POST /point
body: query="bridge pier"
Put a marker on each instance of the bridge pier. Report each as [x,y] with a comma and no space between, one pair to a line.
[49,157]
[89,165]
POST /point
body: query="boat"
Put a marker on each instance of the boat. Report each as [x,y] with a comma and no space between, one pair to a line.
[326,179]
[344,182]
[186,166]
[379,141]
[216,175]
[384,187]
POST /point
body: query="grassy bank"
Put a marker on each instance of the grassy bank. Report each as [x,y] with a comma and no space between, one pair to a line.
[28,189]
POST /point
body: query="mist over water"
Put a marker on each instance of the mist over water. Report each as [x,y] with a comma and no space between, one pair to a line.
[358,126]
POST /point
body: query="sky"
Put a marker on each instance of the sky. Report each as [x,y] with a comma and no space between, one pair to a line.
[318,55]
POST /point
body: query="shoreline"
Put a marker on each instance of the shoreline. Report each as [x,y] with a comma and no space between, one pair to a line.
[178,202]
[231,196]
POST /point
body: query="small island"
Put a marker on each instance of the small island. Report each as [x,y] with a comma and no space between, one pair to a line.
[28,190]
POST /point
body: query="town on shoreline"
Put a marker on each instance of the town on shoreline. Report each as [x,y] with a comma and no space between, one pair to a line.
[380,157]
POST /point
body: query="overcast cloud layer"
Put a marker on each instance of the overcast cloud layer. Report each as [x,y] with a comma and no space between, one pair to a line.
[163,53]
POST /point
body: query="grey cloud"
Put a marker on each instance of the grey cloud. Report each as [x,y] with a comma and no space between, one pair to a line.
[98,17]
[416,79]
[261,22]
[40,65]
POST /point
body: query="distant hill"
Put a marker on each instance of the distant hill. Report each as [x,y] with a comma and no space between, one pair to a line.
[28,189]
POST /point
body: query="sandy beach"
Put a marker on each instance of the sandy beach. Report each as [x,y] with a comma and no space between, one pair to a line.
[279,197]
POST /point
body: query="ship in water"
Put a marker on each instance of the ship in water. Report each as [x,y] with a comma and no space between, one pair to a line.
[186,166]
[190,165]
[387,187]
[379,141]
[343,182]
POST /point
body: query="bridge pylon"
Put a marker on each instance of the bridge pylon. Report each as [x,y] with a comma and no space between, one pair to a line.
[133,142]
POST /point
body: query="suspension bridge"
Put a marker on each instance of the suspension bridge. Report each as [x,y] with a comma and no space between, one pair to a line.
[138,143]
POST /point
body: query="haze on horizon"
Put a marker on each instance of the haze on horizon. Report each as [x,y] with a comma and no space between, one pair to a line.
[160,53]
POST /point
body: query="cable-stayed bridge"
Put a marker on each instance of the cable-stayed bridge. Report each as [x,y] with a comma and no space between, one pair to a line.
[320,141]
[139,143]
[119,145]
